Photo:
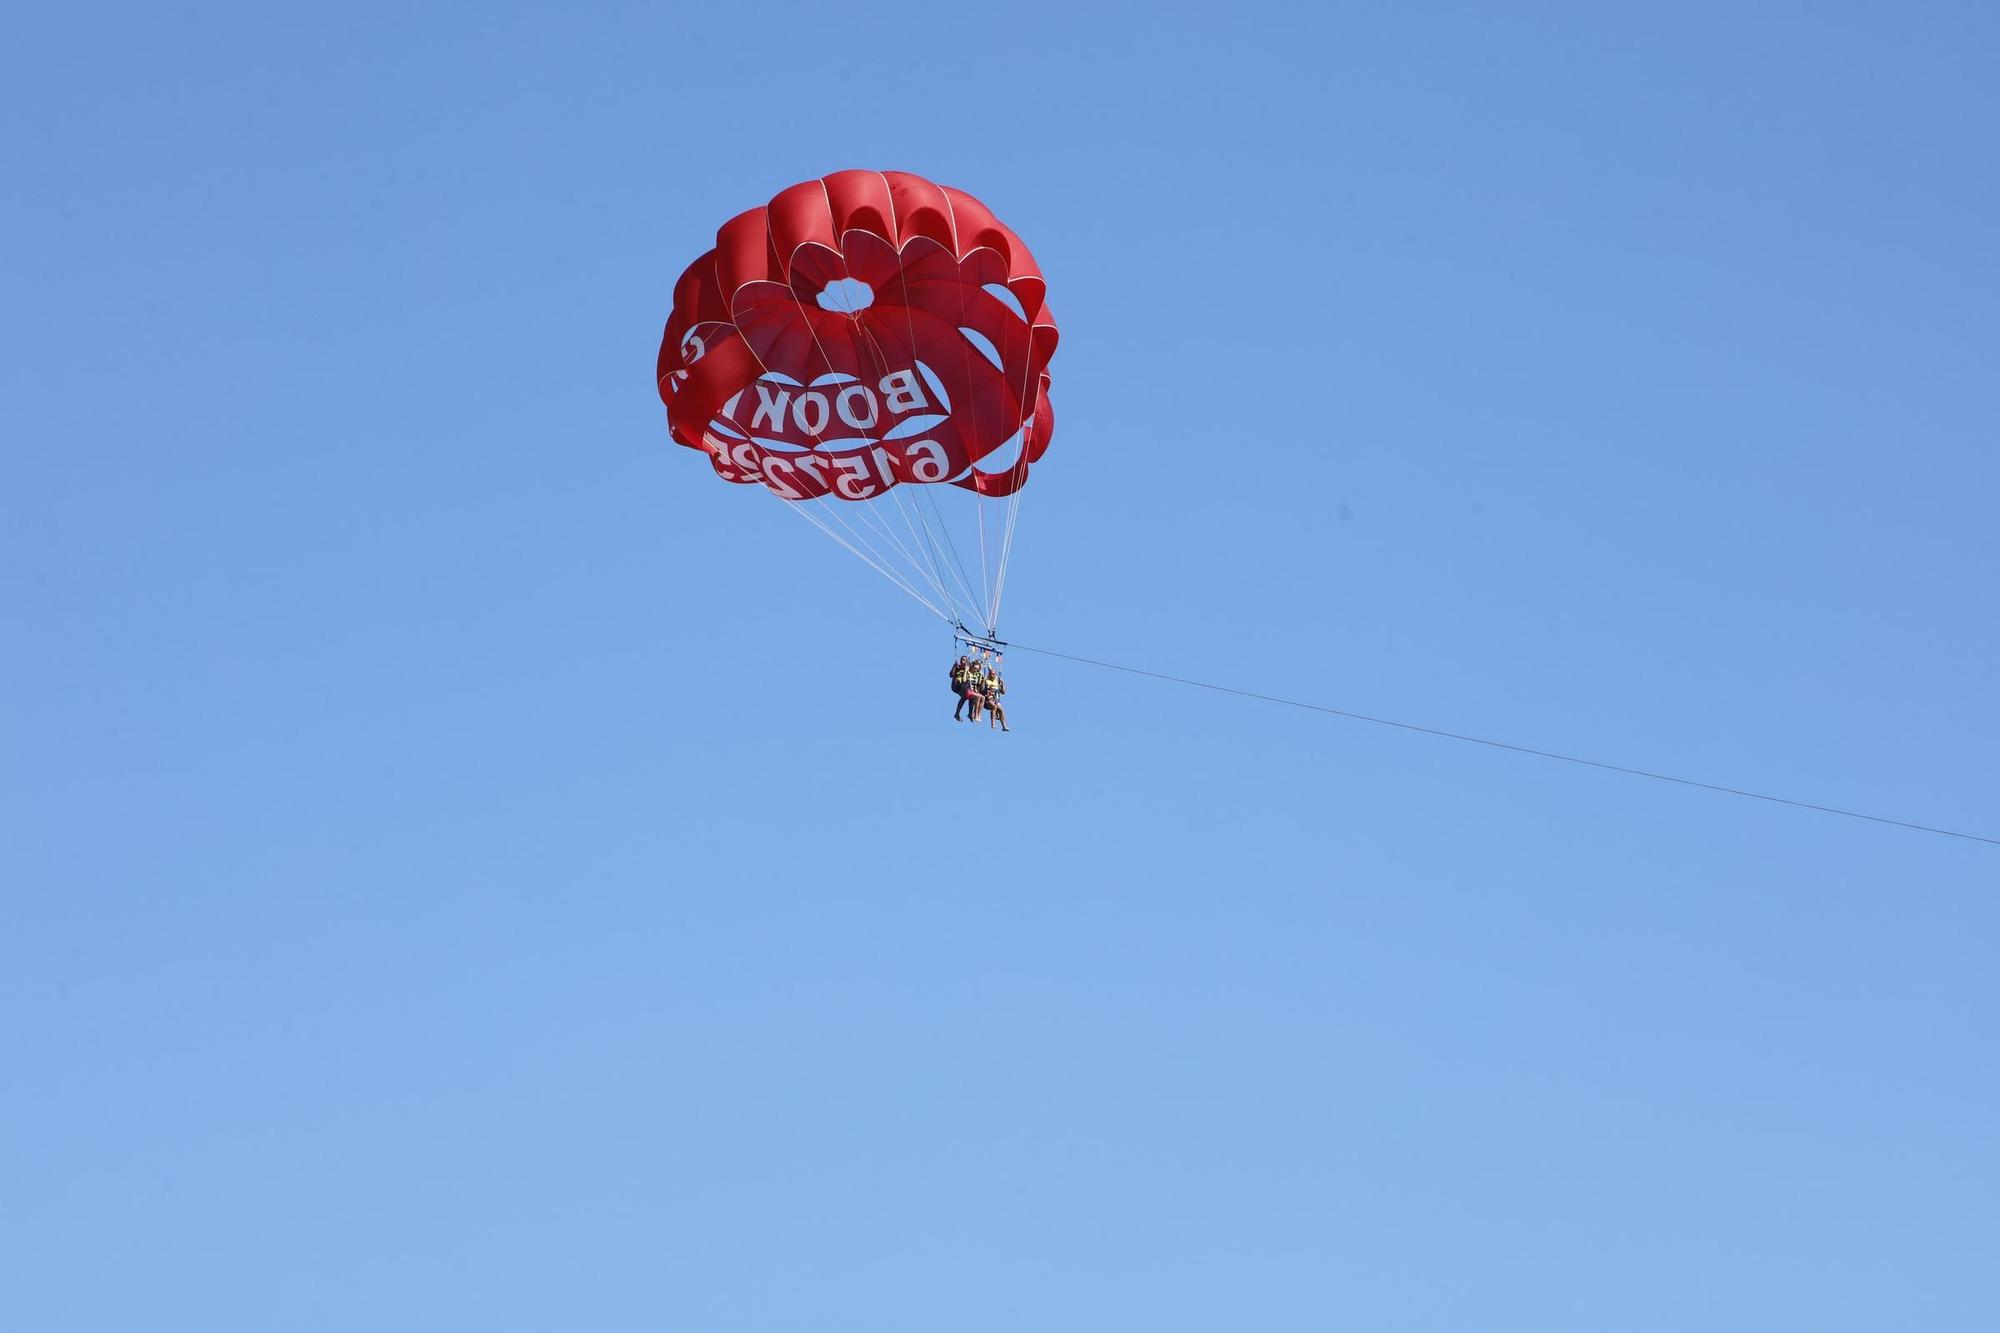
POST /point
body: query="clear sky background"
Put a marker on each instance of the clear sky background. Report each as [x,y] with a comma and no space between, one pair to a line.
[463,866]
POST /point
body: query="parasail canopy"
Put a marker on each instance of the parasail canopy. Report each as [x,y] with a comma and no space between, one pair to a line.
[865,346]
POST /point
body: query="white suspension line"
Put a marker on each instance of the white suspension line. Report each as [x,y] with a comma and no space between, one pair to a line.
[956,566]
[868,510]
[921,542]
[1013,516]
[879,568]
[985,580]
[865,510]
[831,509]
[1020,478]
[930,547]
[1006,556]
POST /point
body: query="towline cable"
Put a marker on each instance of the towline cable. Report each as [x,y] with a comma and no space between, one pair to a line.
[1504,745]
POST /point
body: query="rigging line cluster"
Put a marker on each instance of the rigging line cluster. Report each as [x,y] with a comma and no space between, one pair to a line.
[1517,749]
[872,563]
[932,568]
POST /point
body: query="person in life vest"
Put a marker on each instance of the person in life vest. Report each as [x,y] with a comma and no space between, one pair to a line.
[975,692]
[993,687]
[961,683]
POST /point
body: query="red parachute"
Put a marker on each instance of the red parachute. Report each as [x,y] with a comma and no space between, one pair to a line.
[860,332]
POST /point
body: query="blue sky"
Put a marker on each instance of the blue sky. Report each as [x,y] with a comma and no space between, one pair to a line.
[466,867]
